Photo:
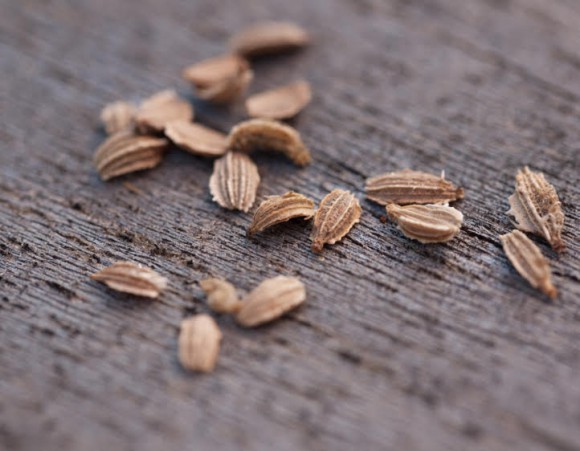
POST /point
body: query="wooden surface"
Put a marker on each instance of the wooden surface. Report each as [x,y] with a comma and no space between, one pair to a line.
[400,345]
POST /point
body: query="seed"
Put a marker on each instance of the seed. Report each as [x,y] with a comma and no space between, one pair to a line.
[280,103]
[118,116]
[411,187]
[196,139]
[265,134]
[270,300]
[221,79]
[278,209]
[160,109]
[339,211]
[529,261]
[268,38]
[199,343]
[221,295]
[537,208]
[234,181]
[124,152]
[427,223]
[132,278]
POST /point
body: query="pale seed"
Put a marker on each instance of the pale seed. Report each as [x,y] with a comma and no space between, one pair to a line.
[427,223]
[529,261]
[411,187]
[124,152]
[208,72]
[537,208]
[228,90]
[269,38]
[221,295]
[278,209]
[132,278]
[196,139]
[118,116]
[199,343]
[160,109]
[265,134]
[270,300]
[234,181]
[339,211]
[280,103]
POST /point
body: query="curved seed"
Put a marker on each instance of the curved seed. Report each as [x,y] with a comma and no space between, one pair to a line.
[280,103]
[537,208]
[214,70]
[427,223]
[278,209]
[221,295]
[118,116]
[160,109]
[199,343]
[196,139]
[234,181]
[339,211]
[268,38]
[132,278]
[529,261]
[264,134]
[411,187]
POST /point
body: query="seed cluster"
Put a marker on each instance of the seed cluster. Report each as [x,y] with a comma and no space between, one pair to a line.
[418,202]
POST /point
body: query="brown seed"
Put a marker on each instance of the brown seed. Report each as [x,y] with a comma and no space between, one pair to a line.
[118,116]
[265,134]
[124,152]
[226,91]
[133,278]
[427,223]
[234,181]
[199,343]
[280,103]
[277,209]
[411,187]
[270,300]
[537,208]
[529,261]
[196,139]
[208,72]
[339,211]
[221,295]
[268,38]
[160,109]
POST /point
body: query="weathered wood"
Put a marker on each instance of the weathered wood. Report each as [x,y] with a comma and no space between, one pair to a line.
[400,345]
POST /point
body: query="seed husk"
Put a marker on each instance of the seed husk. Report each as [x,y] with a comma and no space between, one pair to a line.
[196,139]
[234,181]
[270,300]
[118,116]
[280,103]
[278,209]
[129,277]
[339,211]
[427,223]
[125,152]
[199,343]
[529,261]
[160,109]
[228,90]
[221,295]
[537,208]
[208,72]
[267,38]
[265,134]
[411,187]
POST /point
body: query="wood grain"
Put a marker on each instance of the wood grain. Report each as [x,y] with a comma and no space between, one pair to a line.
[400,345]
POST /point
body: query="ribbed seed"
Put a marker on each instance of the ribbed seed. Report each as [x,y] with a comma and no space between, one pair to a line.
[427,223]
[234,181]
[537,208]
[199,343]
[118,116]
[264,134]
[278,209]
[133,278]
[529,261]
[270,300]
[339,211]
[411,187]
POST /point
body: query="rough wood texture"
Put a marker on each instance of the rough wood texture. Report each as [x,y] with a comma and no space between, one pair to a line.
[400,345]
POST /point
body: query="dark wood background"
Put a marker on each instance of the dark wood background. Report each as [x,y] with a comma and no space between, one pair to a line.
[400,345]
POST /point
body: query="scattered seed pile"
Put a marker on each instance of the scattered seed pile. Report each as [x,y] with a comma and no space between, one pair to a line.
[418,202]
